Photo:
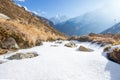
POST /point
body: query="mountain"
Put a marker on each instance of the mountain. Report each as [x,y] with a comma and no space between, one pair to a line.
[95,21]
[58,19]
[114,29]
[27,29]
[47,21]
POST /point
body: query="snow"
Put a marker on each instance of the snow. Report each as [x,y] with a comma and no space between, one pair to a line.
[61,63]
[3,16]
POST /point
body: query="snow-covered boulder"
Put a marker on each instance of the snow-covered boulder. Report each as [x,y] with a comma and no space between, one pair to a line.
[71,45]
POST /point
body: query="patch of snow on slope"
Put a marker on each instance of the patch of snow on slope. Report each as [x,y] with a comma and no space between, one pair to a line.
[61,63]
[4,16]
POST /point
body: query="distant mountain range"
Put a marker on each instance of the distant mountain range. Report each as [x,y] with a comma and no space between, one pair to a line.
[114,29]
[58,19]
[95,21]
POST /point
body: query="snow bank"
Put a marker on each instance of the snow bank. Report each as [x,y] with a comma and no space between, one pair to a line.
[61,63]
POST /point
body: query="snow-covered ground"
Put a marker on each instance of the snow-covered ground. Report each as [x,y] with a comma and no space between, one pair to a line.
[60,63]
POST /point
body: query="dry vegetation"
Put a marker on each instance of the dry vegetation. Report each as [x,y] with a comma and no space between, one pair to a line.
[25,35]
[114,39]
[25,28]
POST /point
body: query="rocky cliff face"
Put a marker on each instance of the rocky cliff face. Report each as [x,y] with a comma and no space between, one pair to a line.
[27,29]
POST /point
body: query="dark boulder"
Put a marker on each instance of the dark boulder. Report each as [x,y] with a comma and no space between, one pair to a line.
[114,55]
[38,43]
[19,56]
[9,43]
[82,48]
[84,38]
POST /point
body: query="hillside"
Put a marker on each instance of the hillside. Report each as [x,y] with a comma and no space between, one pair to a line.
[26,28]
[114,29]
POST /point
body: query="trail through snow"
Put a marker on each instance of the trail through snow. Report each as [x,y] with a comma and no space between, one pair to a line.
[61,63]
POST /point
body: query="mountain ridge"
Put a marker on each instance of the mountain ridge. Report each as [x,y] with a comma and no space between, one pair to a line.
[115,29]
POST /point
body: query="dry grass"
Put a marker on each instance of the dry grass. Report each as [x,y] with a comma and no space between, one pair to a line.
[26,34]
[114,39]
[25,28]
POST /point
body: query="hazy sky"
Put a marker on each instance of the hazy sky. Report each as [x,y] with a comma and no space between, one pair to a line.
[70,8]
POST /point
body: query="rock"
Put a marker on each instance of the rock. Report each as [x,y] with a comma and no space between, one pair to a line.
[82,48]
[114,55]
[58,42]
[103,44]
[74,38]
[84,38]
[54,45]
[71,45]
[38,43]
[19,56]
[9,43]
[107,48]
[92,34]
[3,51]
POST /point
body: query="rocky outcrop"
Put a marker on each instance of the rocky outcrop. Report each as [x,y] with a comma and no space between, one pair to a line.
[84,38]
[19,56]
[9,43]
[114,55]
[71,45]
[82,48]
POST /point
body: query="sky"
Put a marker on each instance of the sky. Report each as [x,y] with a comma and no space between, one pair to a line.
[69,8]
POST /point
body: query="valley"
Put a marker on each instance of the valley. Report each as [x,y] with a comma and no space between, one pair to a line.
[43,41]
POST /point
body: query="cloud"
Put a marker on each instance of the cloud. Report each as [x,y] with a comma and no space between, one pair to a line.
[26,8]
[40,13]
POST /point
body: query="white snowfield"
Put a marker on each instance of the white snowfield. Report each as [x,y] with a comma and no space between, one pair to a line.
[61,63]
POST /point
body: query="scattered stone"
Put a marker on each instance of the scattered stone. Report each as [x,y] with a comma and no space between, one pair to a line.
[9,43]
[19,56]
[114,55]
[82,48]
[58,42]
[71,45]
[54,45]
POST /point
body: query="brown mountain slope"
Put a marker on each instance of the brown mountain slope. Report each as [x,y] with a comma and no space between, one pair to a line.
[25,28]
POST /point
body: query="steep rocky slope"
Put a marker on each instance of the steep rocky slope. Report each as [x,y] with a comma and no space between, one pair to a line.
[27,29]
